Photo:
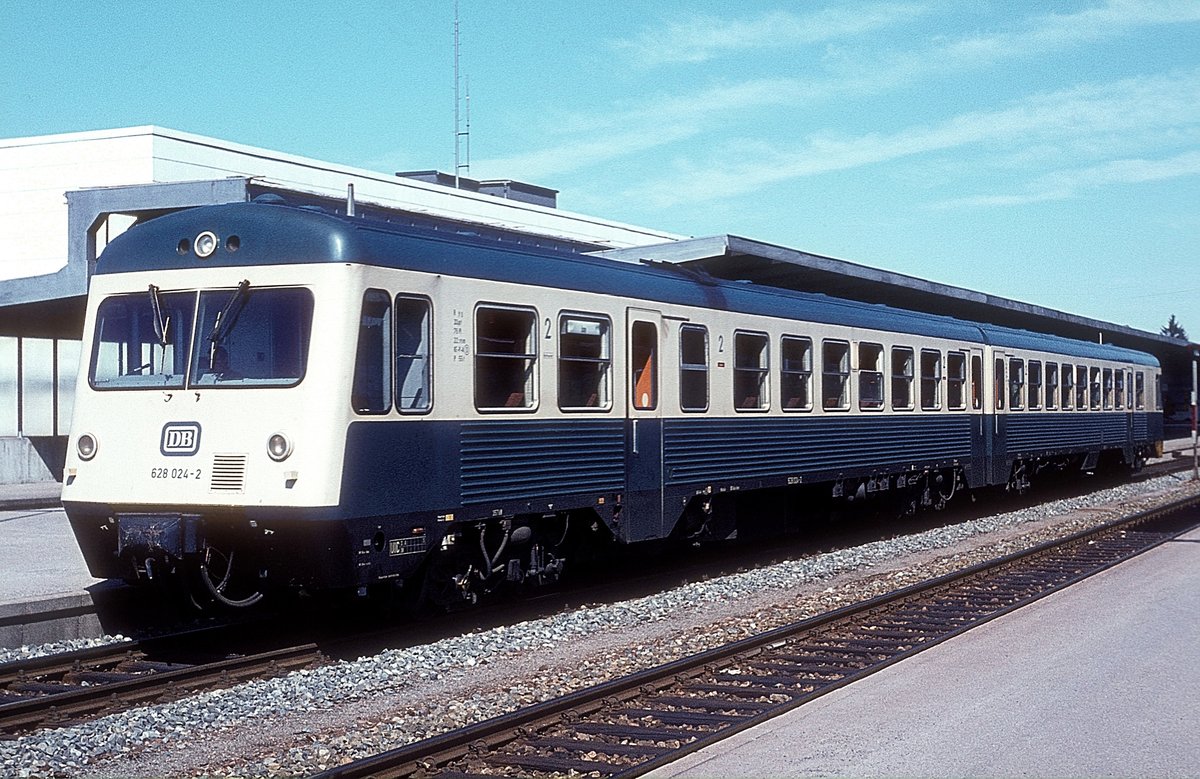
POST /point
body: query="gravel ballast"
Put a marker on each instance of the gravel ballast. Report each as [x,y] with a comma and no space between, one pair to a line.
[310,720]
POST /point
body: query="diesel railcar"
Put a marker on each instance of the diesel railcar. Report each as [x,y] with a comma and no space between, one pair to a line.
[277,398]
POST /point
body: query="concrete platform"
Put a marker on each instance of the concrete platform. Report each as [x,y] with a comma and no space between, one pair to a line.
[1101,679]
[46,593]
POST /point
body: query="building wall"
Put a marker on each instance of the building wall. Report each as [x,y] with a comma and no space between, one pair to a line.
[35,174]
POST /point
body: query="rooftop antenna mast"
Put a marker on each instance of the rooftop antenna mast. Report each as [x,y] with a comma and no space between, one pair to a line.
[461,137]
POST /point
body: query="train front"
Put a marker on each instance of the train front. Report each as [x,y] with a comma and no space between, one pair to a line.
[210,406]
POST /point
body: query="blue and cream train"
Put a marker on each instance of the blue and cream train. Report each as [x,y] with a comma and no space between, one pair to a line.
[276,397]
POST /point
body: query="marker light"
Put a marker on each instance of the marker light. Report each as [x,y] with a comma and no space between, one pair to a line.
[279,447]
[206,243]
[86,445]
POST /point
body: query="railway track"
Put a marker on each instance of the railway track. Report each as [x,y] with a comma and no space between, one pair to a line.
[62,689]
[632,725]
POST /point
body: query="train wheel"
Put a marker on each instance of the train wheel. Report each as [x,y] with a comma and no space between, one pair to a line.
[223,582]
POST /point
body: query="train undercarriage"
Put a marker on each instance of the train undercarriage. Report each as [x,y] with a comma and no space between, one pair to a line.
[235,564]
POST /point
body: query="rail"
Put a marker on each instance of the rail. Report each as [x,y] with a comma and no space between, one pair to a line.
[629,726]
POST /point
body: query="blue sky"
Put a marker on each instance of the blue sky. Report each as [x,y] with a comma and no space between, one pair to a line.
[1047,152]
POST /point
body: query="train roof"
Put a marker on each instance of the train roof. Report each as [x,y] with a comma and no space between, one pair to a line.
[273,233]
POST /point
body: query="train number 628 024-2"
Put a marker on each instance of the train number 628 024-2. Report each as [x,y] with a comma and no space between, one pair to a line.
[174,473]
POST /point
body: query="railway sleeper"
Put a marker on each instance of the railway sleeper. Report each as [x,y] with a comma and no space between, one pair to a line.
[681,717]
[637,731]
[751,690]
[601,747]
[767,680]
[552,764]
[709,704]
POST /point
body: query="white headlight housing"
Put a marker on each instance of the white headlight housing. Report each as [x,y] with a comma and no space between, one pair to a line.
[86,445]
[206,243]
[279,447]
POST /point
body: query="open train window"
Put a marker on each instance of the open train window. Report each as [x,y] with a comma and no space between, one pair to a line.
[1097,391]
[1035,384]
[751,367]
[835,375]
[414,346]
[643,354]
[1108,388]
[1068,387]
[1139,390]
[1119,378]
[372,390]
[956,380]
[931,380]
[1051,386]
[505,359]
[1081,385]
[1016,384]
[903,372]
[795,377]
[584,362]
[693,368]
[870,376]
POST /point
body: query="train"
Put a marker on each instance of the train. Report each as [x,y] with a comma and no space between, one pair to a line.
[276,398]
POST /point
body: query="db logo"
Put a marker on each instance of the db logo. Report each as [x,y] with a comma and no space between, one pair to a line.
[180,439]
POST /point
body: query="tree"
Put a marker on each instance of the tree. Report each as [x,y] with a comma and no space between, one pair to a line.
[1174,330]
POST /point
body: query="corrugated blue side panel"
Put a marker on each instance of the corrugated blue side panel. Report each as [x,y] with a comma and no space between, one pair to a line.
[1141,428]
[1032,433]
[728,450]
[513,460]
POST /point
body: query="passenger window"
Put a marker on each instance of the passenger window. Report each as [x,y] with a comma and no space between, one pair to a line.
[751,364]
[1016,384]
[1068,387]
[835,375]
[372,390]
[414,351]
[976,382]
[903,372]
[693,368]
[1081,385]
[998,384]
[1035,385]
[644,366]
[1051,385]
[1096,390]
[505,359]
[1108,389]
[584,362]
[1139,390]
[956,380]
[1120,395]
[931,380]
[870,376]
[796,375]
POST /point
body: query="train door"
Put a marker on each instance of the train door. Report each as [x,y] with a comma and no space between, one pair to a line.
[996,423]
[642,509]
[977,474]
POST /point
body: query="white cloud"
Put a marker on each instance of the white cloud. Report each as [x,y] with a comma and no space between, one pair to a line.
[1066,184]
[700,37]
[1137,108]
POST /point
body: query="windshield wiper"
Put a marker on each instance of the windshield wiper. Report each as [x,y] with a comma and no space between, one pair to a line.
[227,317]
[161,325]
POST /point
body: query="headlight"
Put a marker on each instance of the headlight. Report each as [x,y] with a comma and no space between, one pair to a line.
[279,447]
[86,445]
[206,243]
